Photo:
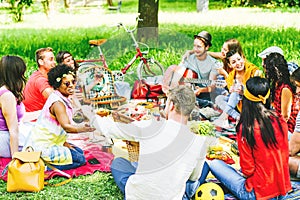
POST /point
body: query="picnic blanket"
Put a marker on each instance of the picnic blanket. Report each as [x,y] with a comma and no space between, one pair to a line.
[92,150]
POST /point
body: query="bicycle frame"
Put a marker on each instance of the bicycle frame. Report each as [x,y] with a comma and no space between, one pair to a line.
[139,53]
[101,58]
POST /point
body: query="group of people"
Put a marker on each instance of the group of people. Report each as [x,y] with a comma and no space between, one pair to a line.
[43,103]
[263,101]
[172,162]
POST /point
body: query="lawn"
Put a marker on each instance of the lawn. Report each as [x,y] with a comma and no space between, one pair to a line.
[174,39]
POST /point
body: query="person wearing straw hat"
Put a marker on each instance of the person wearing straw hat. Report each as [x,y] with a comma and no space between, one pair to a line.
[262,138]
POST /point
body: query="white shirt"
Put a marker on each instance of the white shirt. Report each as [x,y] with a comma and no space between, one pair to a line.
[169,155]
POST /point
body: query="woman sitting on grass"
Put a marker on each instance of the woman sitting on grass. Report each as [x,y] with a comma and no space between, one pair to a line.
[49,134]
[242,70]
[281,87]
[12,81]
[262,138]
[294,143]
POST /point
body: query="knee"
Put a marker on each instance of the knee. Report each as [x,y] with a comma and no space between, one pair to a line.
[215,164]
[78,157]
[117,163]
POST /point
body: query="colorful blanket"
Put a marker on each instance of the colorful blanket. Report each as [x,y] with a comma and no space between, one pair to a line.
[92,152]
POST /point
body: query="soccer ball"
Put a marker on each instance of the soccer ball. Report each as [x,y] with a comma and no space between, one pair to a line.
[209,191]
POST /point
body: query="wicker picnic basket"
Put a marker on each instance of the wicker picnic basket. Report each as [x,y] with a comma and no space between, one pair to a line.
[104,95]
[133,150]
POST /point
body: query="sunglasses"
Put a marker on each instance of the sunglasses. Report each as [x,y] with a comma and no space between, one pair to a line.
[68,83]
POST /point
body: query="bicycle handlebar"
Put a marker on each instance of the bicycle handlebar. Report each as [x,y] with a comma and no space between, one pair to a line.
[138,19]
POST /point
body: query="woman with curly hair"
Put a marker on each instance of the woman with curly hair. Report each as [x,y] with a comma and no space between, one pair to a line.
[276,69]
[49,134]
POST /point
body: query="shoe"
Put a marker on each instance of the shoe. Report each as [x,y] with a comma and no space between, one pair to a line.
[222,123]
[209,112]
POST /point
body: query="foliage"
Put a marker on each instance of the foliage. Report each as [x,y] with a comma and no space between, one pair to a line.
[17,8]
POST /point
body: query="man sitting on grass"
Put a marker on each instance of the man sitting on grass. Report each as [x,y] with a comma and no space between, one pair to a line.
[172,159]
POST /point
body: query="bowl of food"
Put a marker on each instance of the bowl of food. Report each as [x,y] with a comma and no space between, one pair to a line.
[102,112]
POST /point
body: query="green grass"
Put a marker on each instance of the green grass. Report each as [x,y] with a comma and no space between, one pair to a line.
[174,40]
[97,186]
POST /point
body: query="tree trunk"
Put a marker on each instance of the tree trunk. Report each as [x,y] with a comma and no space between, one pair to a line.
[202,5]
[66,4]
[109,3]
[148,28]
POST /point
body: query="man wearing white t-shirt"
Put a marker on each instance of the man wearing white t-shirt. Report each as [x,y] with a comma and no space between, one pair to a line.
[172,159]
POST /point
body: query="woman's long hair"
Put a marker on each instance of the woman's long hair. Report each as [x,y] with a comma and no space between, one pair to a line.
[256,112]
[235,46]
[277,72]
[12,70]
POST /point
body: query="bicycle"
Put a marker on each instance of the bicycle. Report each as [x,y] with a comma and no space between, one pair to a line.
[148,66]
[118,76]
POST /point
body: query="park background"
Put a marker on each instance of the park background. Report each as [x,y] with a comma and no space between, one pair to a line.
[256,24]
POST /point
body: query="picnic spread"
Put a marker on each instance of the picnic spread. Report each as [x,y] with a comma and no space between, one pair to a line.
[200,123]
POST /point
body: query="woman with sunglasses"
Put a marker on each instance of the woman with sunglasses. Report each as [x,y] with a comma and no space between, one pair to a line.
[50,131]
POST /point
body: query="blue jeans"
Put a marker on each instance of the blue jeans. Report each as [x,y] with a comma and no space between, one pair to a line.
[204,100]
[122,169]
[228,104]
[192,186]
[232,180]
[78,159]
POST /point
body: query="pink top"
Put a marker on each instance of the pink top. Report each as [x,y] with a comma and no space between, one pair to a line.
[33,97]
[20,113]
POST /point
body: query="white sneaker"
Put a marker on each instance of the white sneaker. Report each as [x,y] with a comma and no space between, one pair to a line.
[223,123]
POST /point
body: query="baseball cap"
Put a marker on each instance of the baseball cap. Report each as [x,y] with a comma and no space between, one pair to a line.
[269,50]
[206,36]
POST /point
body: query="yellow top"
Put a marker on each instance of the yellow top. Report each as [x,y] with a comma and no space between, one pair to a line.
[250,71]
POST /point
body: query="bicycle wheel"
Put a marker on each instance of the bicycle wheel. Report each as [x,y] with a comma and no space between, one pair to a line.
[152,70]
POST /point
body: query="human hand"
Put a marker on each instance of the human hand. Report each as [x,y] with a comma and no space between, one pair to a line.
[187,54]
[197,91]
[258,73]
[121,118]
[87,128]
[66,144]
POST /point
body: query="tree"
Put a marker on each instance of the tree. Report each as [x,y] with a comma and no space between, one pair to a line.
[148,28]
[17,8]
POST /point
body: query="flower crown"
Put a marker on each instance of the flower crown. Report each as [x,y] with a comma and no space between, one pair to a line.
[58,79]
